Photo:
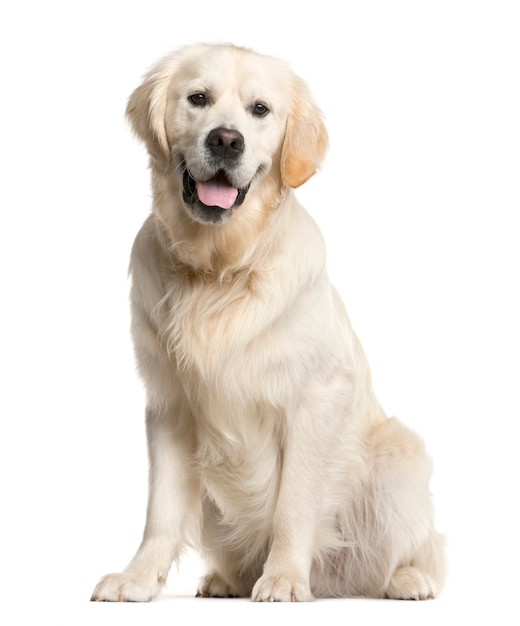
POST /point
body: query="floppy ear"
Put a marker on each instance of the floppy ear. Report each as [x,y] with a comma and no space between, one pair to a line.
[146,110]
[305,140]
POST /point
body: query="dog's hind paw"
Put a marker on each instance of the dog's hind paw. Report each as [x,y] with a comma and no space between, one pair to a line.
[214,586]
[409,583]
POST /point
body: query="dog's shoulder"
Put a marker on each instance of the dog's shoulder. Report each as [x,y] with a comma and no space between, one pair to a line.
[150,266]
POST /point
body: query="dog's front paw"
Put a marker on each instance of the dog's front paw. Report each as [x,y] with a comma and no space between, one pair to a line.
[281,588]
[126,587]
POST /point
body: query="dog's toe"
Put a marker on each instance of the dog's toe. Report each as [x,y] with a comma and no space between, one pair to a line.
[281,588]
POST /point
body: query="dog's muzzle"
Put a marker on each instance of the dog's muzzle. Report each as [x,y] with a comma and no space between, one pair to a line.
[214,199]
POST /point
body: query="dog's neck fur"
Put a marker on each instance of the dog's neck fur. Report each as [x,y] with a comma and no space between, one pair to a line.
[217,251]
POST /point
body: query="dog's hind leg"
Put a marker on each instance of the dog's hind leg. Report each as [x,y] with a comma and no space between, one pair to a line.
[424,577]
[410,545]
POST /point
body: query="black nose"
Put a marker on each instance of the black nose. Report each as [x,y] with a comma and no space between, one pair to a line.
[225,143]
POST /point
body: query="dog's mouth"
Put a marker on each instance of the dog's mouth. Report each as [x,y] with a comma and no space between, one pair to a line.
[211,199]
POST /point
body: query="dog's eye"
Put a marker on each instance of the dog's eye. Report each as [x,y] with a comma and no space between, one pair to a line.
[198,99]
[259,109]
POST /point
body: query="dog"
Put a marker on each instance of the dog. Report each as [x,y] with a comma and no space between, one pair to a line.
[268,448]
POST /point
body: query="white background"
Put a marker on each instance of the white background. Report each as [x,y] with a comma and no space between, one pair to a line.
[418,200]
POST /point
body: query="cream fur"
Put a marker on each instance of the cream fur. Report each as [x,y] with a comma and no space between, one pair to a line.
[268,448]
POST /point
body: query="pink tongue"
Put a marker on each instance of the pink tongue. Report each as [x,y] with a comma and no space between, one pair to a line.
[217,193]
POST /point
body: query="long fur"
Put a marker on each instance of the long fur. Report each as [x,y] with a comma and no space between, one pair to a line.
[268,448]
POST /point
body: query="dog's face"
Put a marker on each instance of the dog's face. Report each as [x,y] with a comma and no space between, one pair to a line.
[225,122]
[219,120]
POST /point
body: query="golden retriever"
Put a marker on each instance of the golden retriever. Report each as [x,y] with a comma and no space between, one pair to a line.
[267,446]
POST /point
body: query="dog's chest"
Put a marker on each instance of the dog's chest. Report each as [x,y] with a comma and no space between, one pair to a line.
[220,340]
[253,339]
[211,329]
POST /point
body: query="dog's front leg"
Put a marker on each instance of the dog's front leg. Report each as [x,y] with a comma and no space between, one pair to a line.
[172,500]
[287,568]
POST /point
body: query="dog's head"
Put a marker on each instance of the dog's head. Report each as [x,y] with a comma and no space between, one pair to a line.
[221,121]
